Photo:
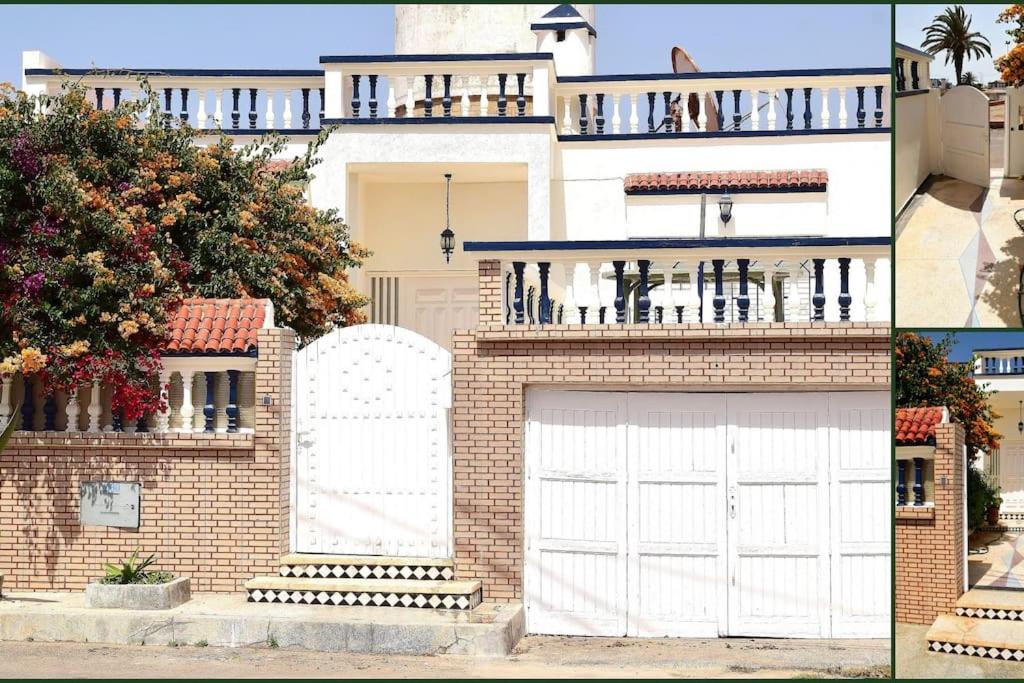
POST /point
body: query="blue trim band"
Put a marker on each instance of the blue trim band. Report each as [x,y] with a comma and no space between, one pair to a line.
[241,73]
[908,93]
[429,120]
[676,243]
[785,73]
[698,135]
[564,26]
[477,57]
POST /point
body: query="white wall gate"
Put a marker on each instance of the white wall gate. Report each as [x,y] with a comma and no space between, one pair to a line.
[963,113]
[691,514]
[371,454]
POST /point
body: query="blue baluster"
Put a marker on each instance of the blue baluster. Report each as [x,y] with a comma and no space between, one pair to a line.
[530,291]
[356,104]
[545,301]
[208,409]
[183,115]
[373,95]
[508,297]
[236,115]
[167,107]
[117,420]
[620,291]
[718,302]
[599,114]
[807,108]
[305,107]
[901,482]
[668,111]
[232,409]
[521,94]
[860,106]
[321,120]
[502,97]
[844,289]
[99,99]
[644,300]
[446,95]
[918,481]
[50,413]
[28,407]
[517,302]
[737,117]
[901,76]
[117,97]
[583,113]
[650,112]
[252,108]
[913,76]
[878,106]
[819,289]
[789,108]
[720,115]
[141,425]
[743,300]
[428,99]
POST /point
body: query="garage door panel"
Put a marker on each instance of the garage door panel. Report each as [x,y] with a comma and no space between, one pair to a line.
[778,515]
[780,595]
[664,609]
[594,497]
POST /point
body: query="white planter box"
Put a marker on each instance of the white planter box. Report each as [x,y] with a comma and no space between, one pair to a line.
[138,596]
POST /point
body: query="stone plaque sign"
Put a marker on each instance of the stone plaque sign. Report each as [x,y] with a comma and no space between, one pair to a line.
[110,503]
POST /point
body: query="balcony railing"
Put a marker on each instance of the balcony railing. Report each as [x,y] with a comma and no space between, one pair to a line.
[913,479]
[719,280]
[239,101]
[751,103]
[911,71]
[1003,364]
[202,394]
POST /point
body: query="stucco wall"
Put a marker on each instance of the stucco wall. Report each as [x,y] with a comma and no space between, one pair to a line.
[917,143]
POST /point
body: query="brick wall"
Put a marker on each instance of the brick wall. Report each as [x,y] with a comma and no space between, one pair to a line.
[930,540]
[214,507]
[494,365]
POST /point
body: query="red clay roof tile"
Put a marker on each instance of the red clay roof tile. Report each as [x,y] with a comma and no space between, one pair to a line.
[216,325]
[726,181]
[916,426]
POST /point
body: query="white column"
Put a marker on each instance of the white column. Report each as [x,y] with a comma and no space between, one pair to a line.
[201,109]
[755,113]
[769,293]
[702,116]
[5,399]
[616,118]
[334,94]
[634,116]
[842,107]
[793,286]
[824,107]
[772,121]
[72,410]
[542,94]
[218,112]
[392,103]
[95,407]
[163,418]
[269,116]
[187,410]
[286,113]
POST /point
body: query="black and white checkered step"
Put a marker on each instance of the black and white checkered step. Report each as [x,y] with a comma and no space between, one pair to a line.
[977,637]
[304,565]
[991,613]
[1004,653]
[991,603]
[461,595]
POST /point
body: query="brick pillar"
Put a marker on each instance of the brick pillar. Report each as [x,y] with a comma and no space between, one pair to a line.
[272,465]
[930,549]
[489,283]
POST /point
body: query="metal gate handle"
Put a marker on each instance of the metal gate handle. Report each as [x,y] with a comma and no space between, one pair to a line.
[732,502]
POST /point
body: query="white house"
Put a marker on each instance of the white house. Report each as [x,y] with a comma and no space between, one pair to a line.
[682,427]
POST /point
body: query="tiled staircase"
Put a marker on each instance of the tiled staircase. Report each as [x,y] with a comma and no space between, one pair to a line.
[342,580]
[988,623]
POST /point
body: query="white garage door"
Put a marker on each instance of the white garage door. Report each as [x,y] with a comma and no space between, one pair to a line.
[668,514]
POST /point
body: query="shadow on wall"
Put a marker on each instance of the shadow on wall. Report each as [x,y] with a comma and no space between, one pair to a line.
[1002,295]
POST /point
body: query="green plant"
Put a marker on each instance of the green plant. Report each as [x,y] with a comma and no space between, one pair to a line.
[131,571]
[202,643]
[981,495]
[272,642]
[950,32]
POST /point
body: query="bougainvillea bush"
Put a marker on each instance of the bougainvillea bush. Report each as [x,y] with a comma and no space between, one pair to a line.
[925,377]
[1011,65]
[106,225]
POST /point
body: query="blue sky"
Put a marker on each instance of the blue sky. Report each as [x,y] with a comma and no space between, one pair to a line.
[631,38]
[968,341]
[911,19]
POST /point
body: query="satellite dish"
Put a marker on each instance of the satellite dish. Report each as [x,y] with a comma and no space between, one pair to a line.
[682,63]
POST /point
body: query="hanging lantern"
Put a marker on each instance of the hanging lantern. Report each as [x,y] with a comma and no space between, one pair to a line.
[725,208]
[447,236]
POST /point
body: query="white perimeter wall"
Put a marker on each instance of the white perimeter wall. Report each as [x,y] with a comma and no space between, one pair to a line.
[917,142]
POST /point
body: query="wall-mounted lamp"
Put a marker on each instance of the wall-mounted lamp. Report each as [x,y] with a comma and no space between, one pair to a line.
[725,208]
[447,236]
[1020,418]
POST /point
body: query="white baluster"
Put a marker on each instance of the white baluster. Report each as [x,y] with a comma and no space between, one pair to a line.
[594,300]
[824,107]
[392,103]
[665,298]
[286,113]
[410,98]
[570,311]
[163,417]
[793,285]
[702,116]
[5,399]
[95,407]
[772,120]
[566,116]
[634,116]
[187,409]
[269,116]
[684,112]
[693,294]
[755,112]
[464,100]
[218,112]
[201,109]
[616,118]
[769,293]
[842,107]
[72,410]
[485,103]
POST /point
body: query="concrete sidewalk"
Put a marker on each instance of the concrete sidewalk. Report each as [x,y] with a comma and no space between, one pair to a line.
[550,657]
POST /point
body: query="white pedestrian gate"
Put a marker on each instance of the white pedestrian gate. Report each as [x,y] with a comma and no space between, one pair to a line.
[372,461]
[965,134]
[674,514]
[1007,467]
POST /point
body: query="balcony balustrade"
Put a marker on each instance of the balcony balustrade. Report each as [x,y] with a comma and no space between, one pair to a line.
[721,280]
[1003,364]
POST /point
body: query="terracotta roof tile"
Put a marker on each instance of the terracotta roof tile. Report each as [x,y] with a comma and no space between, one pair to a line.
[726,181]
[916,426]
[216,325]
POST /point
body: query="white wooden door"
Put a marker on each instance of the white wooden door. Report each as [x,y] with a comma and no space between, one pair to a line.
[1009,473]
[861,513]
[372,462]
[575,577]
[434,306]
[778,529]
[965,134]
[676,515]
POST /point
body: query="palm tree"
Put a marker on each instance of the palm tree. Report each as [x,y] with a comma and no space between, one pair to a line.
[951,31]
[970,79]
